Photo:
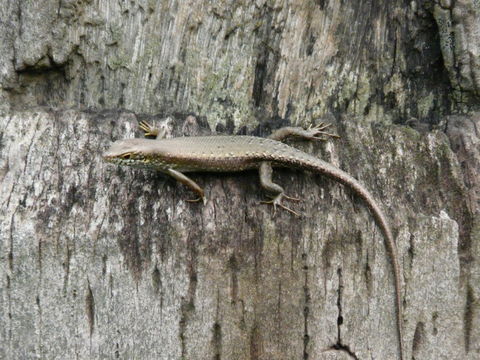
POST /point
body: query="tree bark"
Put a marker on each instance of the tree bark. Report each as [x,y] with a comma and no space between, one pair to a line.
[99,261]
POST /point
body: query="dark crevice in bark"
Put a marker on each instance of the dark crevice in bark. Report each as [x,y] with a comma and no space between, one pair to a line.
[182,327]
[90,309]
[192,269]
[418,337]
[328,252]
[321,4]
[217,341]
[368,276]
[278,309]
[345,349]
[66,267]
[9,326]
[47,77]
[40,323]
[10,245]
[186,309]
[233,266]
[468,317]
[306,308]
[267,60]
[310,44]
[255,343]
[339,345]
[260,73]
[129,240]
[44,67]
[156,280]
[339,305]
[434,323]
[121,100]
[104,265]
[217,331]
[411,247]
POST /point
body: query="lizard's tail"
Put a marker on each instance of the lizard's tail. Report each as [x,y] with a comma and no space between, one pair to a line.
[319,166]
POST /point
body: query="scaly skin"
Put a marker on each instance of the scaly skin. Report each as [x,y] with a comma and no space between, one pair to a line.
[237,153]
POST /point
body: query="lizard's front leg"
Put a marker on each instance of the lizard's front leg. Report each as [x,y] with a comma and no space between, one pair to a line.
[177,175]
[265,172]
[312,133]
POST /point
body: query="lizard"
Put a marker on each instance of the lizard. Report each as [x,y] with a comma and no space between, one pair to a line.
[232,153]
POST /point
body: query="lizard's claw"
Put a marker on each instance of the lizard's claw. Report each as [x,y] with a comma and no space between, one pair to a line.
[277,201]
[148,129]
[291,198]
[198,199]
[318,131]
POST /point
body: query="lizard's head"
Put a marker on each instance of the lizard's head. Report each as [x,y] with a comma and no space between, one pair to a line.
[135,152]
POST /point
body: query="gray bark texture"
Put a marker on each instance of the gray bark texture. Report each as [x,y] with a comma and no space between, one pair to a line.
[98,261]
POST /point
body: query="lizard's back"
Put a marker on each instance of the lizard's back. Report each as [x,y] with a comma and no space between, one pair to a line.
[217,153]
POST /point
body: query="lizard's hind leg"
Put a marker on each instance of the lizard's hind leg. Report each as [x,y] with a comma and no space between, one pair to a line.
[152,131]
[316,132]
[275,190]
[149,130]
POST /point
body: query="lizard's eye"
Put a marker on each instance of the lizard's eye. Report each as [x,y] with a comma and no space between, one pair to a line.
[127,156]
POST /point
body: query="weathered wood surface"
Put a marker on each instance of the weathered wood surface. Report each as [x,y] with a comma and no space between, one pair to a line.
[105,262]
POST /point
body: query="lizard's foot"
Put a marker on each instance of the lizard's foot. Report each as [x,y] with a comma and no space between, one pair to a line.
[148,129]
[291,198]
[318,132]
[277,201]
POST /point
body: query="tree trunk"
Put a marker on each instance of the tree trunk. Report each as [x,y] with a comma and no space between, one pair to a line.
[99,261]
